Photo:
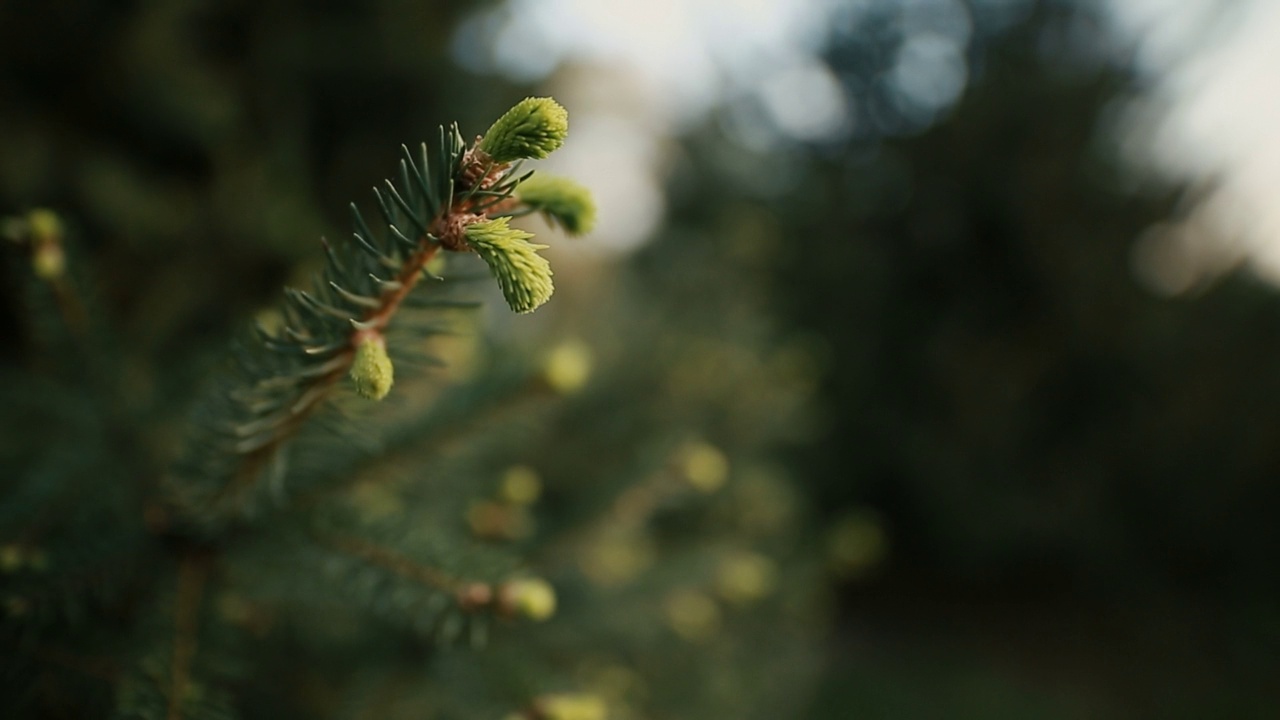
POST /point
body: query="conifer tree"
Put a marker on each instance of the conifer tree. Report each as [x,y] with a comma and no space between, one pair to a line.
[374,511]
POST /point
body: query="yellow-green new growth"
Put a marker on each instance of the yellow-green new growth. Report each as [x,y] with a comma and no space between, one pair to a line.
[571,706]
[523,274]
[561,200]
[533,129]
[45,225]
[371,370]
[531,598]
[47,257]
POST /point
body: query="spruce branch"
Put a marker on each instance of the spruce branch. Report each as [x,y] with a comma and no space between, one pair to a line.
[533,129]
[191,579]
[523,597]
[472,408]
[523,274]
[453,199]
[397,562]
[532,598]
[98,668]
[41,231]
[561,200]
[564,706]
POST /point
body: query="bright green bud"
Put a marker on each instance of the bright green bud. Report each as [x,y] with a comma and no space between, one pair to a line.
[531,598]
[562,200]
[45,225]
[533,129]
[746,577]
[571,706]
[523,274]
[47,258]
[11,558]
[372,370]
[48,261]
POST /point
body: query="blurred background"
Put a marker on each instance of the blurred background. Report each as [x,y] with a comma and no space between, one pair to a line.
[1016,259]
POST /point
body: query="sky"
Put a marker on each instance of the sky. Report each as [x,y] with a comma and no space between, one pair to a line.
[1210,120]
[646,70]
[635,74]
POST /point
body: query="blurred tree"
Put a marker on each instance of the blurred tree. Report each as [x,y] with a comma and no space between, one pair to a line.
[596,512]
[1045,493]
[1058,458]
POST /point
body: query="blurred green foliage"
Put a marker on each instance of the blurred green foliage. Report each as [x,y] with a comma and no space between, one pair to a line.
[1083,468]
[1055,488]
[195,153]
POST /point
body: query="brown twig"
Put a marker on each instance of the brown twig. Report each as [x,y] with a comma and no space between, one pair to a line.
[397,562]
[374,322]
[96,667]
[445,231]
[192,572]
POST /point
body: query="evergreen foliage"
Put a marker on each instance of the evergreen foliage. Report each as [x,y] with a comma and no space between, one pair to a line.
[1023,466]
[443,202]
[481,548]
[561,201]
[533,129]
[523,274]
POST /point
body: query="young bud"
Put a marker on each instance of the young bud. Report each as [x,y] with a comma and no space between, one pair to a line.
[371,370]
[856,544]
[521,485]
[45,225]
[568,366]
[47,257]
[745,577]
[48,262]
[704,466]
[523,274]
[692,615]
[570,706]
[533,129]
[532,598]
[475,596]
[561,200]
[11,558]
[490,520]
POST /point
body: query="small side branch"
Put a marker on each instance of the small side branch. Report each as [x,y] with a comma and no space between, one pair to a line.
[397,562]
[41,231]
[192,572]
[373,322]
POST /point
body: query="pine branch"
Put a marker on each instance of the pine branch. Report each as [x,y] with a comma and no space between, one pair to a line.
[501,397]
[398,585]
[41,231]
[456,200]
[191,577]
[398,563]
[262,436]
[452,602]
[180,669]
[99,668]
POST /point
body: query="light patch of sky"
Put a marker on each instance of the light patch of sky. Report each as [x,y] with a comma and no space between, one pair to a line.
[616,159]
[688,52]
[930,71]
[1210,116]
[806,101]
[677,60]
[685,57]
[1210,120]
[949,18]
